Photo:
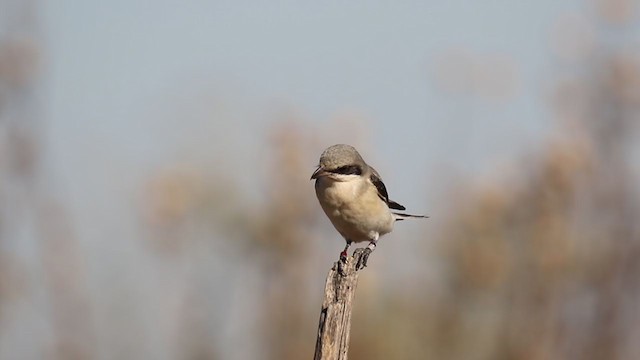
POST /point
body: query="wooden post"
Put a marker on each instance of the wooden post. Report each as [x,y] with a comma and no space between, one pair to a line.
[335,316]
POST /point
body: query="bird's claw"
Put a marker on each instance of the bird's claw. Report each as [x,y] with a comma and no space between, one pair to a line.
[344,255]
[363,258]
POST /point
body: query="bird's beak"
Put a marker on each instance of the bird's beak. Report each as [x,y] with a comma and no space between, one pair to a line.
[318,173]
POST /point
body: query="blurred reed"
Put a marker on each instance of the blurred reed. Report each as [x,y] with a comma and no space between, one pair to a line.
[538,264]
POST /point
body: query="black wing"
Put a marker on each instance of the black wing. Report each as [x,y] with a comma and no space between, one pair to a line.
[382,191]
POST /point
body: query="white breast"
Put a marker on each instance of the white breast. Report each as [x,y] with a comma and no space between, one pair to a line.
[354,208]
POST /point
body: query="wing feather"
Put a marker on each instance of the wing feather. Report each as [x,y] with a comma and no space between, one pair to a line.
[382,190]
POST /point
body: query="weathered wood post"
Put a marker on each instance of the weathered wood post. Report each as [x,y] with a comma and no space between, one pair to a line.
[335,316]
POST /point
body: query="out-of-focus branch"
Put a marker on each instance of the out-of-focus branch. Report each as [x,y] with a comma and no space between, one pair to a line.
[335,316]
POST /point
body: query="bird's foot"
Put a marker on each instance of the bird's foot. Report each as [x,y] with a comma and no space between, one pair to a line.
[343,262]
[344,255]
[363,258]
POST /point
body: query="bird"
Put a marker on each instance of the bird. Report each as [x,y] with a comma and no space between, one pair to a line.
[355,199]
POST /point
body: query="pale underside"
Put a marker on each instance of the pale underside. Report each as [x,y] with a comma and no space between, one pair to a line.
[354,207]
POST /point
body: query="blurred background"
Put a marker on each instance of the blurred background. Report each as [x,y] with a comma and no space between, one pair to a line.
[155,200]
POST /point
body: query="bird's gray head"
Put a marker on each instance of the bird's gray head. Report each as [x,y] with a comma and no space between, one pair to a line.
[338,160]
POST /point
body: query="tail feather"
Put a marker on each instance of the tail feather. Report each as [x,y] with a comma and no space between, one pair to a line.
[402,216]
[395,206]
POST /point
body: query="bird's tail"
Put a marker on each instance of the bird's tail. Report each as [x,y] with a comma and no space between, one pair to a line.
[402,216]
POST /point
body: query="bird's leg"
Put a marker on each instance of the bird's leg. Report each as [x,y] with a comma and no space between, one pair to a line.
[343,258]
[362,261]
[344,253]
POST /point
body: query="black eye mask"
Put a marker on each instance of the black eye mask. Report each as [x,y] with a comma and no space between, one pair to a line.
[348,170]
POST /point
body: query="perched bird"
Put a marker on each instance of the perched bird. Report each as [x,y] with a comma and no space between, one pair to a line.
[355,199]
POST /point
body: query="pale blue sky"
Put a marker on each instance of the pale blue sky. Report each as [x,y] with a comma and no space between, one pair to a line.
[120,73]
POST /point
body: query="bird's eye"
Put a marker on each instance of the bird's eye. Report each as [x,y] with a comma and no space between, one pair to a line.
[349,170]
